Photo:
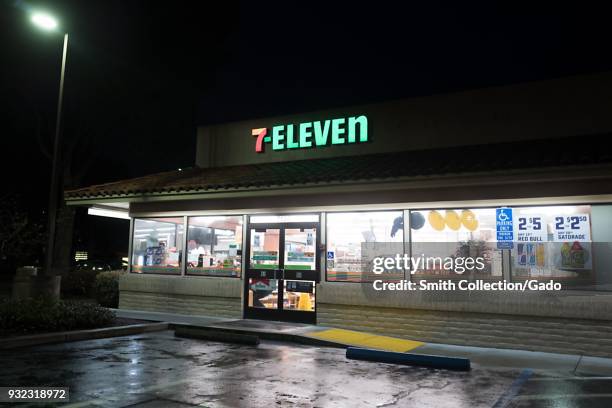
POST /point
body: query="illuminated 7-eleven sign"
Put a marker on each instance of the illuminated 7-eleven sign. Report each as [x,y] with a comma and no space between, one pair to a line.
[308,135]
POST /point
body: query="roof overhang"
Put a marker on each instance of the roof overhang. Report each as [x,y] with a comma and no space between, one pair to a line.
[584,174]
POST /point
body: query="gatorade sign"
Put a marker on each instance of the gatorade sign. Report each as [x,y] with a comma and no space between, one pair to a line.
[308,135]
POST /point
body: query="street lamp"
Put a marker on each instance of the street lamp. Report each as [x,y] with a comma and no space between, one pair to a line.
[44,21]
[47,22]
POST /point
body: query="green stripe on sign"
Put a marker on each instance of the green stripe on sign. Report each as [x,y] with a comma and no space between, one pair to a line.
[264,266]
[264,258]
[298,267]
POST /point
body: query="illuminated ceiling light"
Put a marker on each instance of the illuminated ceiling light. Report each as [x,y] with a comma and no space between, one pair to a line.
[108,213]
[44,21]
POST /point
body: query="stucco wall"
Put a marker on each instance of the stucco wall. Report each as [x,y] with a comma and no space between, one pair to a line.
[572,106]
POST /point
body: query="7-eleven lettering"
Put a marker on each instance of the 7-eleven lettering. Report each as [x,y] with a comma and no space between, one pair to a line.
[261,135]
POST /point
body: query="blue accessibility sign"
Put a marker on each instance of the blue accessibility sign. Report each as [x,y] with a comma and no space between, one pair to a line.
[504,227]
[330,255]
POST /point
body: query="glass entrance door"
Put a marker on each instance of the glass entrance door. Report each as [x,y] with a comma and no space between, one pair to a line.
[282,271]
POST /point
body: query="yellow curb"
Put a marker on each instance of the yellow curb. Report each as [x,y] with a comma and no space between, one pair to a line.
[368,340]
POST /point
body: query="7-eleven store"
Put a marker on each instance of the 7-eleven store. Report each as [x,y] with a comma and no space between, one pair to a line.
[271,221]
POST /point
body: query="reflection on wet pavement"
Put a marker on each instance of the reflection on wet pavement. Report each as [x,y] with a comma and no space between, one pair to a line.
[158,370]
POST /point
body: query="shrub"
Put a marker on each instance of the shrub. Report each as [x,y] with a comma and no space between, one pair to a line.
[106,288]
[47,315]
[79,282]
[84,315]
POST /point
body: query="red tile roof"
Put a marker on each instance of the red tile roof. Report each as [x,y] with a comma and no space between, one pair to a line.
[570,151]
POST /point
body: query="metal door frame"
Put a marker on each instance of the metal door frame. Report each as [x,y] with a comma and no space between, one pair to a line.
[280,274]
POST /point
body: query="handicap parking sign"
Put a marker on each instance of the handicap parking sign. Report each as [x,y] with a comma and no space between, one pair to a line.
[504,227]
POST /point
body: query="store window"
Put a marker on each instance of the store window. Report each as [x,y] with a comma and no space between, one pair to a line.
[299,295]
[157,245]
[555,242]
[214,246]
[264,249]
[350,235]
[300,249]
[455,244]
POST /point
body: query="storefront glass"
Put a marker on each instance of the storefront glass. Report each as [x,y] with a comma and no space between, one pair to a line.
[157,245]
[348,234]
[455,235]
[300,249]
[569,244]
[299,295]
[214,246]
[263,293]
[265,245]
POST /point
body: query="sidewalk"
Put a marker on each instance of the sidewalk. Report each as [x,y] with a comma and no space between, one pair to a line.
[328,336]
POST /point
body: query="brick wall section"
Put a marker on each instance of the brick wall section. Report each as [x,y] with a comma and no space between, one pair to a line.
[563,304]
[568,322]
[562,322]
[556,335]
[205,296]
[181,304]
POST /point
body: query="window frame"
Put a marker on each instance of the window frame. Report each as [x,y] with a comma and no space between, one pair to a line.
[408,242]
[186,238]
[131,245]
[328,213]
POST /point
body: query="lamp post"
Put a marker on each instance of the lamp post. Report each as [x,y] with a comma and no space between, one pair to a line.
[48,23]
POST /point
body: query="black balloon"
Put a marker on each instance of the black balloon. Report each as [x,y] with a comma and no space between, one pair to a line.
[416,220]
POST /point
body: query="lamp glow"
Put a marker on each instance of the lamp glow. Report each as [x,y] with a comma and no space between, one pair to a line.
[44,21]
[103,212]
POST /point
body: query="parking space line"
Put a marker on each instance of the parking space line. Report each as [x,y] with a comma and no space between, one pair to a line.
[514,389]
[560,396]
[572,379]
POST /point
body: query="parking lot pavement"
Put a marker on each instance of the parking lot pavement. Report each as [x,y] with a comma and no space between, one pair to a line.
[159,370]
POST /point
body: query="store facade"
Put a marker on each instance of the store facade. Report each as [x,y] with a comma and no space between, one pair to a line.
[274,219]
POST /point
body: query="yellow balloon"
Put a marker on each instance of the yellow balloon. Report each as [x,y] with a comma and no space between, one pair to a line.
[452,220]
[468,219]
[436,220]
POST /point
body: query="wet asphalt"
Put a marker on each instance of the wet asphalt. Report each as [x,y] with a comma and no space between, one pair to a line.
[159,370]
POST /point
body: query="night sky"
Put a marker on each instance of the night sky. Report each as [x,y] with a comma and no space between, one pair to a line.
[141,75]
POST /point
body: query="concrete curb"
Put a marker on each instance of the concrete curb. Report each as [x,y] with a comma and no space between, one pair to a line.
[204,333]
[423,360]
[78,335]
[262,334]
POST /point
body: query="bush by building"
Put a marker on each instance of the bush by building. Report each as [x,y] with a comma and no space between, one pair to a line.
[79,282]
[106,288]
[47,315]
